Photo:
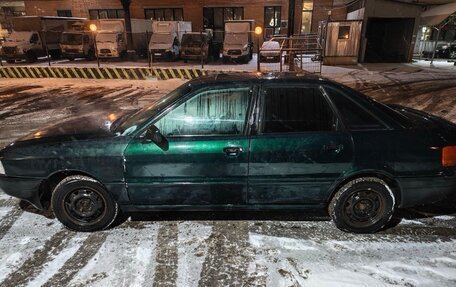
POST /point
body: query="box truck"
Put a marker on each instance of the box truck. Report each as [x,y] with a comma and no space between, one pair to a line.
[78,42]
[238,40]
[112,39]
[166,38]
[35,36]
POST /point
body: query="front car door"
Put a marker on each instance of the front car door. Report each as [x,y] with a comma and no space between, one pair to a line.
[207,159]
[300,148]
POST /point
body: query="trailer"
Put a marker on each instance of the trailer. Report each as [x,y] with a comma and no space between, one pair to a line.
[36,36]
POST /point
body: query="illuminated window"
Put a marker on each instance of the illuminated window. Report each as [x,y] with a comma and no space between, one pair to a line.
[344,32]
[306,20]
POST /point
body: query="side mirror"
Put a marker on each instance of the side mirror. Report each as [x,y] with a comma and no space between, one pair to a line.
[153,134]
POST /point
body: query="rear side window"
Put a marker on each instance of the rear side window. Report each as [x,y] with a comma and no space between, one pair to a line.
[353,115]
[294,110]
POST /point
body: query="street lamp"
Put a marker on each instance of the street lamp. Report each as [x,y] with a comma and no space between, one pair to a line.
[258,32]
[93,28]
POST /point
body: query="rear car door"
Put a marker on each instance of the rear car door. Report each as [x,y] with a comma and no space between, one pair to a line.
[300,148]
[207,159]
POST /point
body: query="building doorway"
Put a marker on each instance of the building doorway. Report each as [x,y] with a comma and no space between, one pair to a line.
[389,40]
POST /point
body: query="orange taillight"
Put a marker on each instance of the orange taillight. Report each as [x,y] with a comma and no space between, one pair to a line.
[449,156]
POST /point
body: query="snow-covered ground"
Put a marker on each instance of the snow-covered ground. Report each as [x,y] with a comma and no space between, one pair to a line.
[210,249]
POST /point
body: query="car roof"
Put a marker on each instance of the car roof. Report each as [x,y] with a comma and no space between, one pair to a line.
[221,77]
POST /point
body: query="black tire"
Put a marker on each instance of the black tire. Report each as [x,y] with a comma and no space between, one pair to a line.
[91,55]
[364,205]
[55,54]
[11,61]
[31,57]
[81,203]
[71,59]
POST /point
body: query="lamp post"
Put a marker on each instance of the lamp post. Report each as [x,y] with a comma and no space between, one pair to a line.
[93,28]
[258,32]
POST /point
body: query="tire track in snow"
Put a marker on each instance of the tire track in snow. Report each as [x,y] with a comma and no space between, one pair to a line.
[9,219]
[88,249]
[167,257]
[228,257]
[33,265]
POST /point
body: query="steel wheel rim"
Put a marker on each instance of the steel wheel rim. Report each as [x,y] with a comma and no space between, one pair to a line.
[84,206]
[453,54]
[363,208]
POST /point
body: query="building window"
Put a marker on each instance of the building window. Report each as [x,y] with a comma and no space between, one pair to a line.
[165,14]
[272,17]
[344,32]
[306,20]
[64,13]
[214,18]
[106,14]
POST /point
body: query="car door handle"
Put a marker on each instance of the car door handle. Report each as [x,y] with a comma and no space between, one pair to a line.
[333,148]
[232,151]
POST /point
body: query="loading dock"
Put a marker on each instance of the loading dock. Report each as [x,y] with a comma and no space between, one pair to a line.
[389,39]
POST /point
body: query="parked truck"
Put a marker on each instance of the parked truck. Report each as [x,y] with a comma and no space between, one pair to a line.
[78,42]
[112,39]
[199,46]
[35,36]
[238,40]
[166,38]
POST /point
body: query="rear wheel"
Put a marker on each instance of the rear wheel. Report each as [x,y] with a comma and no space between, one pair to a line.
[31,57]
[364,205]
[83,204]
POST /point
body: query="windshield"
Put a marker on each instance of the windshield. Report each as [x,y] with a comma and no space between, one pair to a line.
[106,37]
[132,122]
[192,39]
[71,39]
[237,38]
[162,38]
[19,37]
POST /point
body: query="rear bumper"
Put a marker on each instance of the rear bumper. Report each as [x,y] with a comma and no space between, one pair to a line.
[23,188]
[426,190]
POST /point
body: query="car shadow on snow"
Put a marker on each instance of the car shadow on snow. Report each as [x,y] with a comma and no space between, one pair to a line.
[426,212]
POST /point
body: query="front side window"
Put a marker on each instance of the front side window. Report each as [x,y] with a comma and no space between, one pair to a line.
[296,110]
[210,113]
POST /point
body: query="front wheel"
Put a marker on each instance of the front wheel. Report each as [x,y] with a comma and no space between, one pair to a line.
[81,203]
[364,205]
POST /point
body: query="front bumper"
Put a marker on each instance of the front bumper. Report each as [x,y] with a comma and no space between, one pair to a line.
[427,190]
[23,188]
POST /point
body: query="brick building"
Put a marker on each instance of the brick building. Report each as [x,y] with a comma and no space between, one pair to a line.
[272,15]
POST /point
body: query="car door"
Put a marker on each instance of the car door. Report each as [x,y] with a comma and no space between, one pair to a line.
[300,148]
[207,159]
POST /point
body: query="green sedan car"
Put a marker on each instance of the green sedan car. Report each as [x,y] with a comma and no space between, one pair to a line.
[239,142]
